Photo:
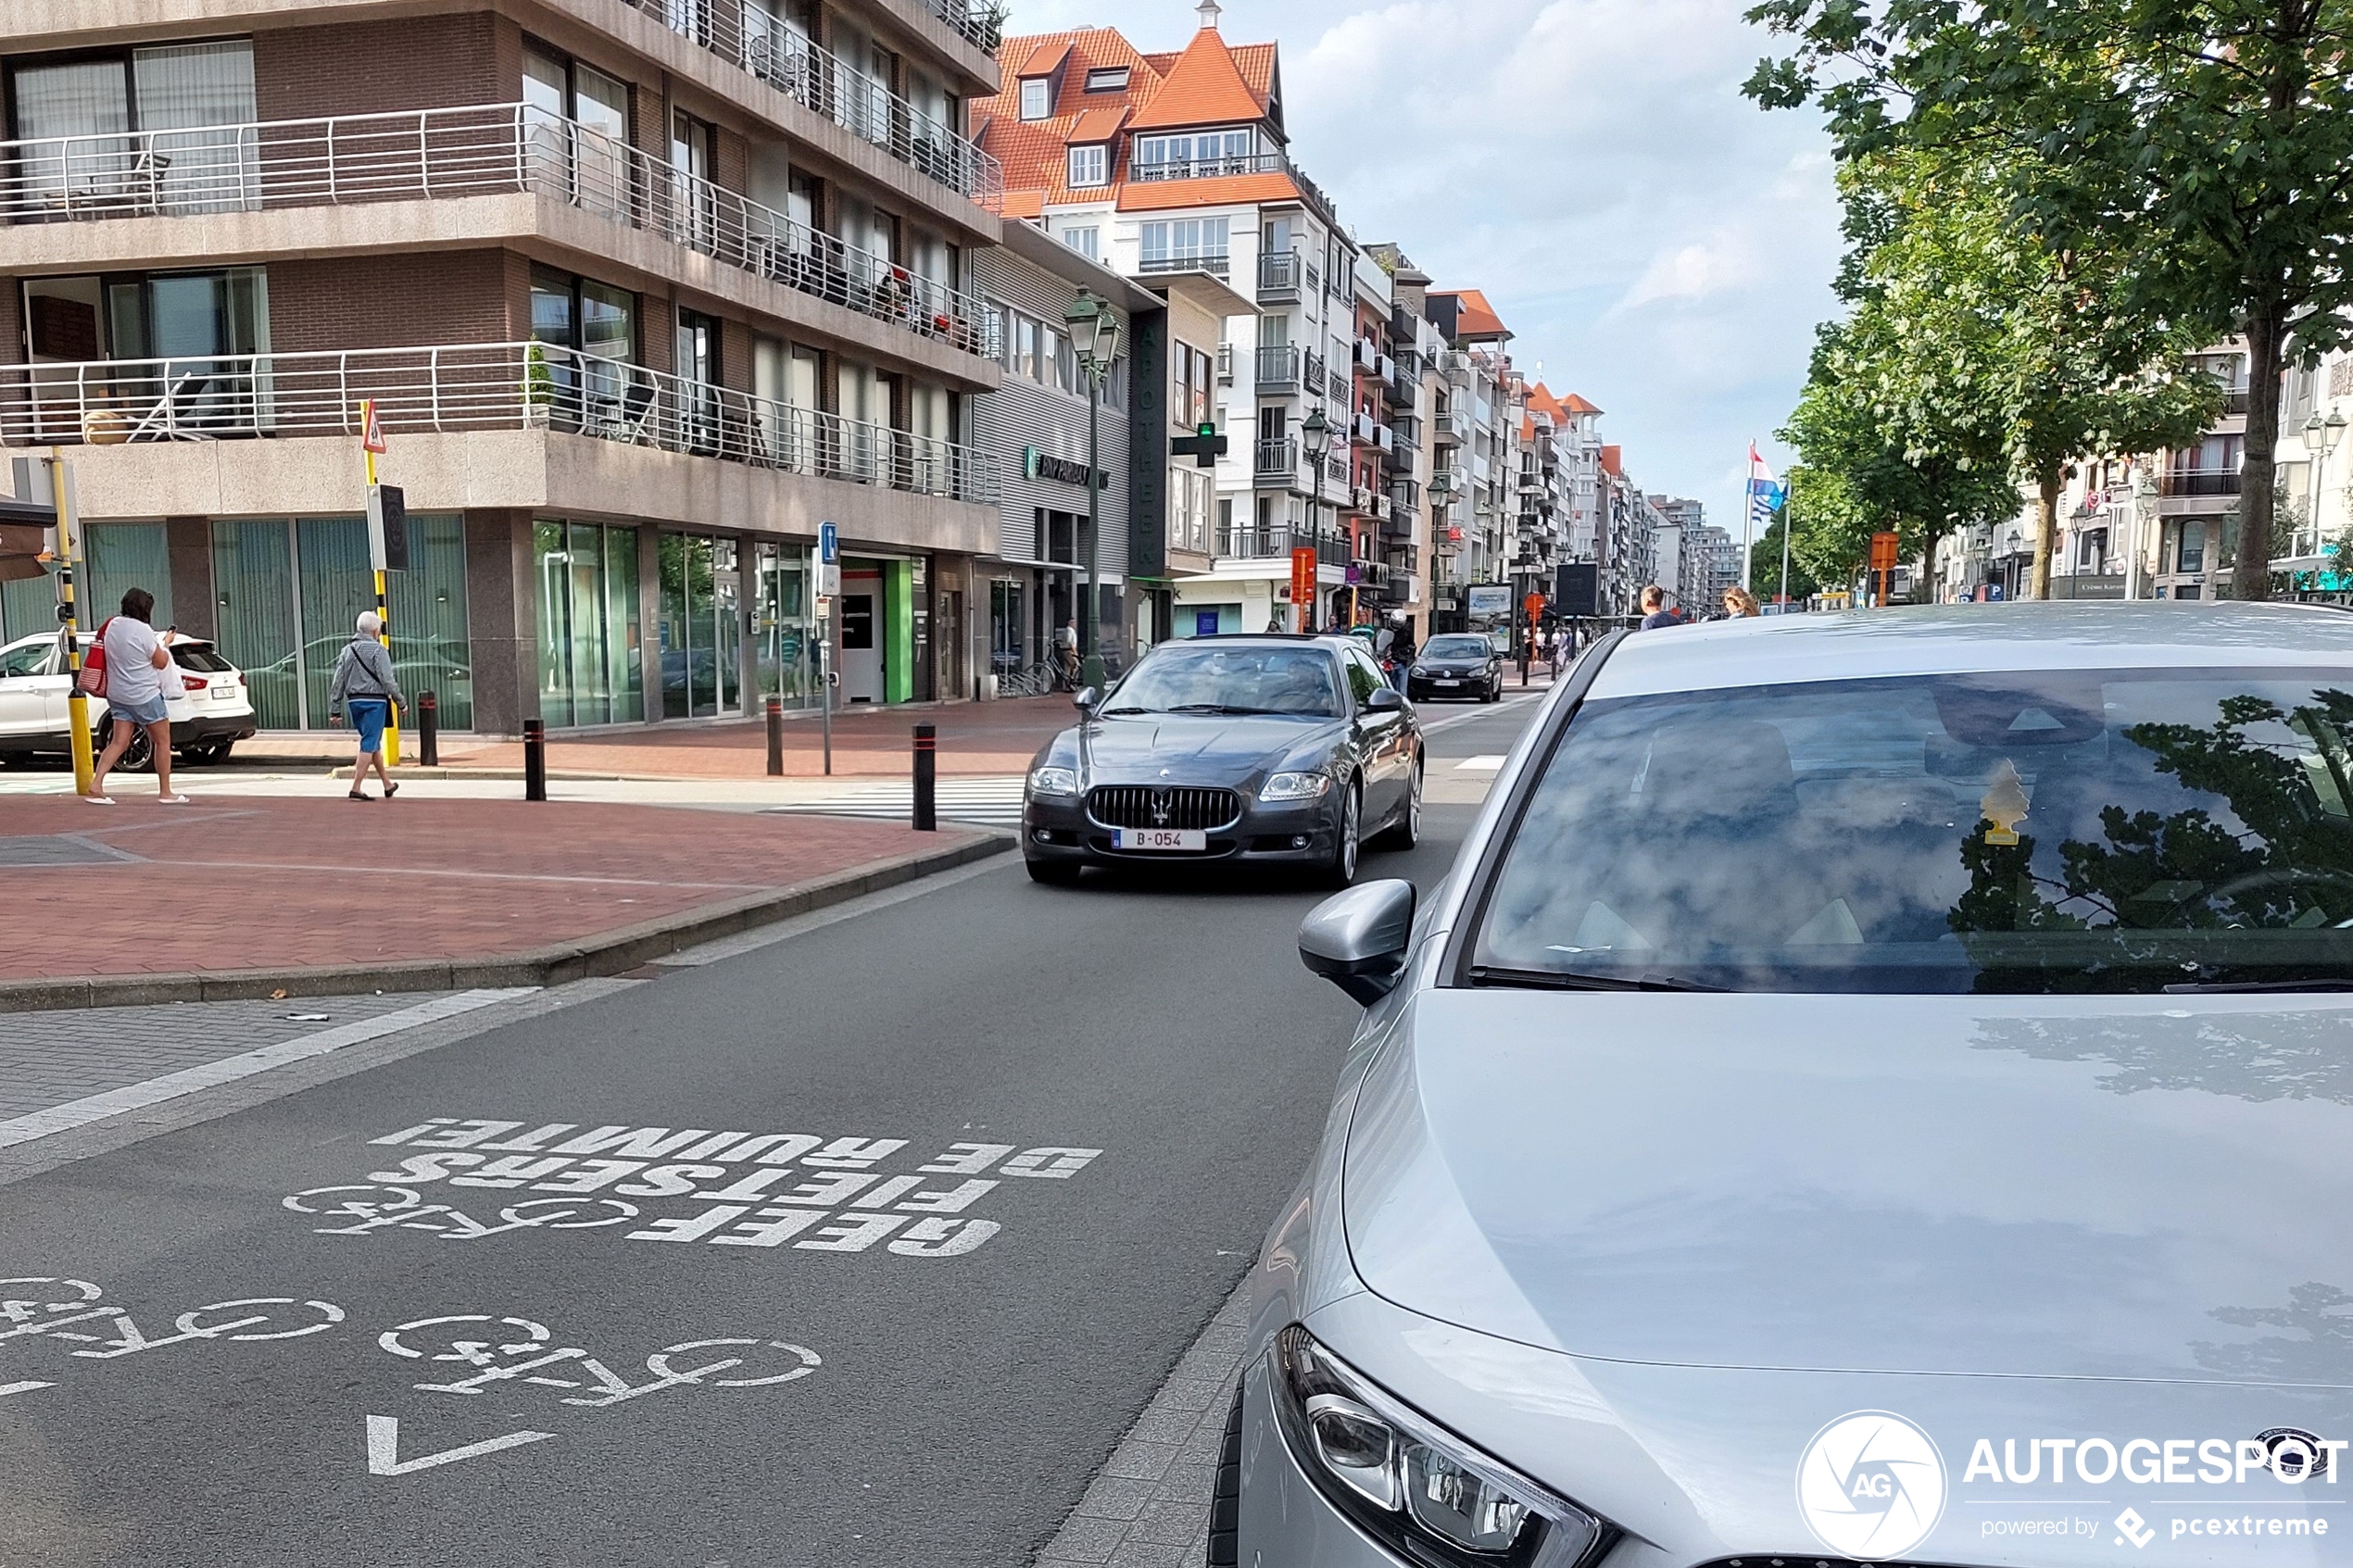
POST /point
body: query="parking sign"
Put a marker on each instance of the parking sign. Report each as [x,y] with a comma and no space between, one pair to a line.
[828,544]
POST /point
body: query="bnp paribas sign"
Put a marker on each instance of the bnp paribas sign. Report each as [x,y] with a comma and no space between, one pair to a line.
[1035,464]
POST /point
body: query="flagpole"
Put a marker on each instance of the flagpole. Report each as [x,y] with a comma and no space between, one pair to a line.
[1748,525]
[1789,494]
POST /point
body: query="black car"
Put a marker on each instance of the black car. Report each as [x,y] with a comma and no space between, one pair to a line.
[1264,749]
[1460,664]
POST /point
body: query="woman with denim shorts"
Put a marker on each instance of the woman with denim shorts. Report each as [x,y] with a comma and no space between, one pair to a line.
[365,685]
[139,678]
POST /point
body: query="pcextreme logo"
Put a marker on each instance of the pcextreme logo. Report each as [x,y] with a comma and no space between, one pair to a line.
[1872,1486]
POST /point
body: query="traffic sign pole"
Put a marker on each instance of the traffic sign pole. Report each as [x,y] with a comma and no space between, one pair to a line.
[85,764]
[372,442]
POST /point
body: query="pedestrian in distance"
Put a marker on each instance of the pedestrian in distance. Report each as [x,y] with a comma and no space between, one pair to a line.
[365,685]
[1655,614]
[140,680]
[1066,651]
[1740,604]
[1401,652]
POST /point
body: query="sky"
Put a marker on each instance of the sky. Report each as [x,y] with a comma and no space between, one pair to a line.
[1656,241]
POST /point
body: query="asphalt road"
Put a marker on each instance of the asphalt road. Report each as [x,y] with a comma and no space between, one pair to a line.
[1035,1136]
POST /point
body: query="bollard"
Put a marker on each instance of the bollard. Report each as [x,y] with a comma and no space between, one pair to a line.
[927,778]
[775,737]
[428,731]
[535,760]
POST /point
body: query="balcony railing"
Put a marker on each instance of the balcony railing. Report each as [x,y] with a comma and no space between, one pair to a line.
[484,149]
[1276,459]
[1277,368]
[981,25]
[825,85]
[1209,168]
[2199,481]
[1249,542]
[464,388]
[1406,494]
[1218,264]
[1278,275]
[1225,364]
[1314,370]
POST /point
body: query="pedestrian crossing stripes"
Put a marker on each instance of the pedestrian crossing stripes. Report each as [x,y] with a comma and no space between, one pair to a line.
[989,802]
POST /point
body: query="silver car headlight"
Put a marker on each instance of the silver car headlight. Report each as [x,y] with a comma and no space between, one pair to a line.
[1296,786]
[1426,1494]
[1053,781]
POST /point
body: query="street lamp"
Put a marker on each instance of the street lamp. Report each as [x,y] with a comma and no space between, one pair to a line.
[1094,334]
[2321,438]
[1316,443]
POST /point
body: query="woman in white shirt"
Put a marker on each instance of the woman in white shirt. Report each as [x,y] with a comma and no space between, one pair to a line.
[139,678]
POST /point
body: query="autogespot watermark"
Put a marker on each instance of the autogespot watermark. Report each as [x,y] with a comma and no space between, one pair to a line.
[1872,1485]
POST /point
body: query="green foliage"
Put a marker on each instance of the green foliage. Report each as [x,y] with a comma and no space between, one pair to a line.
[1765,569]
[2206,144]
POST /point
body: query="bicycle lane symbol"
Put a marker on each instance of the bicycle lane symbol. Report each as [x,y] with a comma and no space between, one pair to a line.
[30,1310]
[369,1208]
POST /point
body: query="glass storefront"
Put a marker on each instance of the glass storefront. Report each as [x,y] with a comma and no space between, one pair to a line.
[701,652]
[783,624]
[288,595]
[591,635]
[1008,628]
[119,557]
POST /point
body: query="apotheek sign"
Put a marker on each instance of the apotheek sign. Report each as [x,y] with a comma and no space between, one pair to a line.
[1040,465]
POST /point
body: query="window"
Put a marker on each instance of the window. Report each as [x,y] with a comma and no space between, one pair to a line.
[1026,349]
[178,97]
[1194,375]
[1183,240]
[1090,166]
[1107,79]
[1195,155]
[1188,501]
[1085,241]
[1037,98]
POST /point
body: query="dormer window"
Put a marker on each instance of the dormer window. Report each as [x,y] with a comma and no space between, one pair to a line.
[1107,79]
[1037,97]
[1090,167]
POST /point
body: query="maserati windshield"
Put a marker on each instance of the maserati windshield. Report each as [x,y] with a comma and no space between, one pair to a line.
[1297,681]
[2139,831]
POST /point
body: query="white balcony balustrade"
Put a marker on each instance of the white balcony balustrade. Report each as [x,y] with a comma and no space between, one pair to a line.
[464,387]
[482,149]
[826,85]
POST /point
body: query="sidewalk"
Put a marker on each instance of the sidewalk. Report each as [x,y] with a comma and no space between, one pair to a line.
[243,896]
[974,738]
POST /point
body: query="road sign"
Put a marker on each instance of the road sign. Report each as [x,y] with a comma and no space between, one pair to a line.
[389,527]
[828,545]
[372,430]
[1883,552]
[1577,587]
[1303,576]
[828,579]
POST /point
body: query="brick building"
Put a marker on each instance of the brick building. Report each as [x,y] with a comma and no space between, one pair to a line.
[643,290]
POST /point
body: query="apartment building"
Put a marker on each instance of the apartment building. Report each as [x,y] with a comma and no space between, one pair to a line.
[1415,387]
[1045,554]
[1474,433]
[642,292]
[1173,167]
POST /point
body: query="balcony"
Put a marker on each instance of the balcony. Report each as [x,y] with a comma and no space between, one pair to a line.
[2234,400]
[1401,388]
[488,149]
[1315,371]
[1277,368]
[458,388]
[1453,424]
[1250,542]
[983,27]
[2199,481]
[1225,364]
[1211,168]
[1408,426]
[1278,274]
[827,85]
[1218,264]
[1276,459]
[1406,494]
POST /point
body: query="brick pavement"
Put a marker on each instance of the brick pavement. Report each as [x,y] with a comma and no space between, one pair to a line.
[47,1058]
[249,883]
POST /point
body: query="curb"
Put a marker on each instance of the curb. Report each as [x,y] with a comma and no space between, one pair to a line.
[611,952]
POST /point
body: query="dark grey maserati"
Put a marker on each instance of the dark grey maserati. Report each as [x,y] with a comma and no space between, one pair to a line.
[1259,749]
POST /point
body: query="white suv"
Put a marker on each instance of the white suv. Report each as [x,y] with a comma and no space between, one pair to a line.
[212,715]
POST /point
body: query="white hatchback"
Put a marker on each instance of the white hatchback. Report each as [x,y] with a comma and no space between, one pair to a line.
[210,717]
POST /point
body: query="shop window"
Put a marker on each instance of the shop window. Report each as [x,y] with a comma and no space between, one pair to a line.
[591,665]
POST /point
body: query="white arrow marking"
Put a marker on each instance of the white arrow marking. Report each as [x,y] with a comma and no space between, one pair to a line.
[383,1448]
[8,1388]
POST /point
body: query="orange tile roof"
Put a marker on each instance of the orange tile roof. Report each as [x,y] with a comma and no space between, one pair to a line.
[1541,400]
[1098,124]
[1047,58]
[1577,405]
[1474,317]
[1204,87]
[1614,460]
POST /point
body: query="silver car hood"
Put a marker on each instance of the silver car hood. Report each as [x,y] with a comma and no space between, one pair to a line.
[2097,1186]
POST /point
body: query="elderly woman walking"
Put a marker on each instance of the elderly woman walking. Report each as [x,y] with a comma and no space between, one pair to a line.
[365,684]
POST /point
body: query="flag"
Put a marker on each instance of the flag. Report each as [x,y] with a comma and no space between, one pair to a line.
[1765,496]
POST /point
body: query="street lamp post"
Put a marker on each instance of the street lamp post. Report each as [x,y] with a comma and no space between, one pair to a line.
[1094,334]
[2321,438]
[1315,443]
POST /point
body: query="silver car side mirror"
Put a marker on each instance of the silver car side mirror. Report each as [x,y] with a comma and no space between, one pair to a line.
[1357,939]
[1087,699]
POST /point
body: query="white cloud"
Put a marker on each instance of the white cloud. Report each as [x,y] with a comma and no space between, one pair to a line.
[1664,246]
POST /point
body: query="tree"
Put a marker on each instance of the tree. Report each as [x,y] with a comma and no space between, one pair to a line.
[1765,564]
[1981,341]
[2212,138]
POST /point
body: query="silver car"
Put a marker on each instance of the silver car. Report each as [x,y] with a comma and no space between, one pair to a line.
[1872,1087]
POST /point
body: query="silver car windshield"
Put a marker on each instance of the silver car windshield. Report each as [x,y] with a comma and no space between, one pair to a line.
[1296,682]
[2115,832]
[1457,648]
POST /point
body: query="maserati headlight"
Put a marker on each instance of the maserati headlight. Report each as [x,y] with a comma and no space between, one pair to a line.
[1426,1494]
[1053,781]
[1296,786]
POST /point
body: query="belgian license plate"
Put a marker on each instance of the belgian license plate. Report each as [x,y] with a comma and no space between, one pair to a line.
[1159,838]
[1450,682]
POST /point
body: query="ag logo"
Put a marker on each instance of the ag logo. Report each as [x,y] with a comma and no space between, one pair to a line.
[1872,1486]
